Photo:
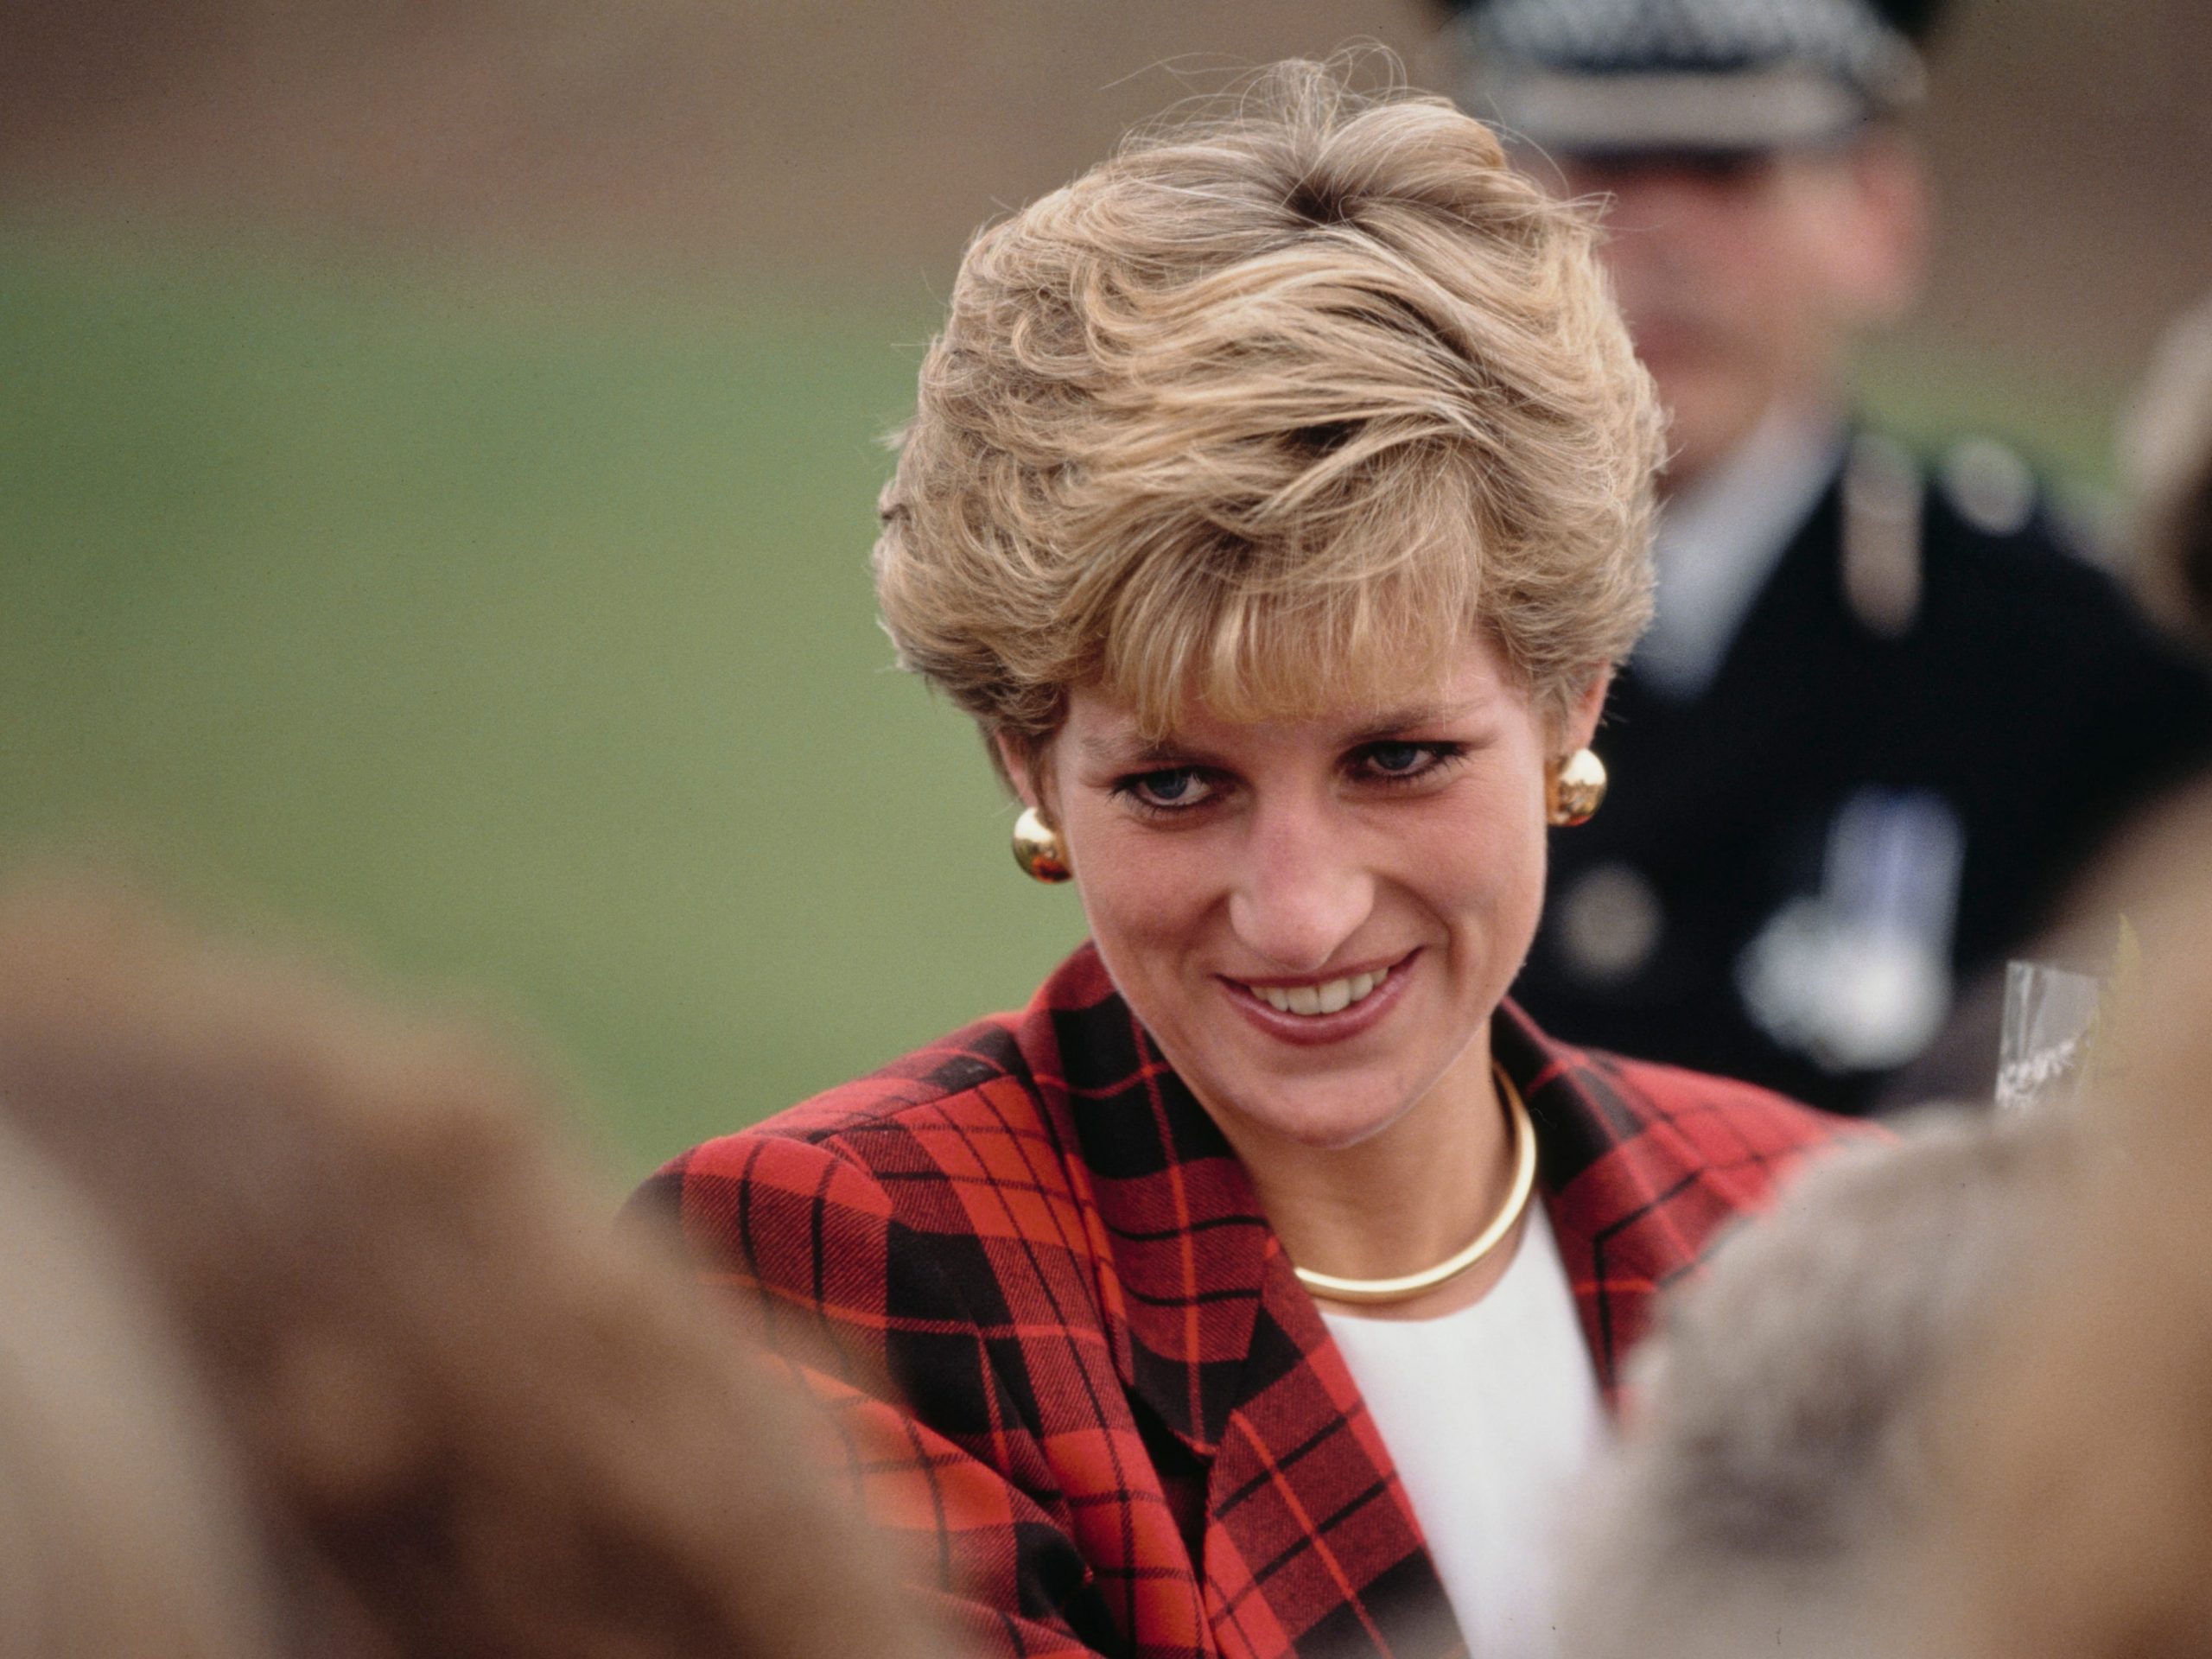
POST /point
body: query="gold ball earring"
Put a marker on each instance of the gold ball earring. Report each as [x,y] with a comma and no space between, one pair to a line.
[1575,790]
[1038,850]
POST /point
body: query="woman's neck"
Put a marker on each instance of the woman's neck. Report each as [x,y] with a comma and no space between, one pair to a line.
[1404,1198]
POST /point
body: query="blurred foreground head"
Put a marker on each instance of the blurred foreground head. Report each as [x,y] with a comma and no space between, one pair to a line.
[469,1416]
[2078,1515]
[1776,1484]
[123,1530]
[1765,203]
[1953,1401]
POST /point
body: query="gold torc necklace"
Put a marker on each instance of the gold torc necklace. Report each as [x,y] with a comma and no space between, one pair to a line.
[1413,1284]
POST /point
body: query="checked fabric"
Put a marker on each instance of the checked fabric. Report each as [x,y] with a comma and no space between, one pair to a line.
[1063,1354]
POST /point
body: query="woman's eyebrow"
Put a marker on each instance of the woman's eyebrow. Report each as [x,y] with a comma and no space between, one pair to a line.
[1123,752]
[1391,722]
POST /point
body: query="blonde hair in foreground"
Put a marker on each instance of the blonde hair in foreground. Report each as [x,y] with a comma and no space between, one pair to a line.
[124,1528]
[1275,407]
[471,1415]
[2078,1520]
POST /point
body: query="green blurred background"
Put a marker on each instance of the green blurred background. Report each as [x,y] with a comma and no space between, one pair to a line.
[450,537]
[529,645]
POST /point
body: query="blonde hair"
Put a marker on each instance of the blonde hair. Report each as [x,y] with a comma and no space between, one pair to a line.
[1273,408]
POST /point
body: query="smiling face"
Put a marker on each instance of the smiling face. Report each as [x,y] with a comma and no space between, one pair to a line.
[1315,918]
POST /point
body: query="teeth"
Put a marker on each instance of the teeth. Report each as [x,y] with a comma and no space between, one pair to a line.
[1327,997]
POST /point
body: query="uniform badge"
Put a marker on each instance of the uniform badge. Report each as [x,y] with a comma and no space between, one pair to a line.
[1608,924]
[1857,977]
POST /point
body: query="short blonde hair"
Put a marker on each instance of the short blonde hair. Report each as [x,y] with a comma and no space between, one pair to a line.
[1273,408]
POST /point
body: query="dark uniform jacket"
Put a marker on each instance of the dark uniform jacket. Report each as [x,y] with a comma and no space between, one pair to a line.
[1913,742]
[1065,1356]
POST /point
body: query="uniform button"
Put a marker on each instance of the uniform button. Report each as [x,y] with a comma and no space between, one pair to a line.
[1608,924]
[1992,487]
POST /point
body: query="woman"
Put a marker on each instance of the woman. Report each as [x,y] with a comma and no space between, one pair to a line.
[1276,503]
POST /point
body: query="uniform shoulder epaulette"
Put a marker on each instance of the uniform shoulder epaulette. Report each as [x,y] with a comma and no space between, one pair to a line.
[1990,485]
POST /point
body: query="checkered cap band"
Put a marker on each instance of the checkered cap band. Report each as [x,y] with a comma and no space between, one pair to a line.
[1727,73]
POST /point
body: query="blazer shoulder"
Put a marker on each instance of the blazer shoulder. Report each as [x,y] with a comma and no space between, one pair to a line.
[1668,1090]
[1998,565]
[851,1136]
[940,1077]
[984,1105]
[1735,1131]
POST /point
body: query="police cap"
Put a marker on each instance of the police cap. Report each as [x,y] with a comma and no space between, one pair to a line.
[1710,76]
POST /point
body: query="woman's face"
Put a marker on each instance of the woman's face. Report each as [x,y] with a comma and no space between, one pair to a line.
[1314,919]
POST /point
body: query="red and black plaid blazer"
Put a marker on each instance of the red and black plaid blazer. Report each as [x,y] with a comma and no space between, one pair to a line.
[1062,1347]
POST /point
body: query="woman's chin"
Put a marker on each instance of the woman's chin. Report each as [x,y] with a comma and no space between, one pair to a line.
[1332,1122]
[1310,1099]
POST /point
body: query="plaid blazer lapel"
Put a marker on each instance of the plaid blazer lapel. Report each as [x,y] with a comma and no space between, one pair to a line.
[1312,1548]
[1309,1546]
[1186,1243]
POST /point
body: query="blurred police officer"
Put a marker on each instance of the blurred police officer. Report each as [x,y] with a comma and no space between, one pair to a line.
[1879,718]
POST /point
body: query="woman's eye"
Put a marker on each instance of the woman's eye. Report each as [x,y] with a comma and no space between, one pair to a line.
[1398,760]
[1169,789]
[1406,763]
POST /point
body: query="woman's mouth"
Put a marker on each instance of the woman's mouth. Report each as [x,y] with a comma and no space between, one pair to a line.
[1326,997]
[1322,1010]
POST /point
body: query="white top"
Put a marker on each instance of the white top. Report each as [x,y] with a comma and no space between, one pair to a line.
[1721,538]
[1491,1414]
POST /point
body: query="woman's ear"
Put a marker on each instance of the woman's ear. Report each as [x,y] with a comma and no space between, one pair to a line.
[1588,709]
[1021,759]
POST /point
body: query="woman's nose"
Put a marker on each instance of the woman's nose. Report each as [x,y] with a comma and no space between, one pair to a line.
[1305,890]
